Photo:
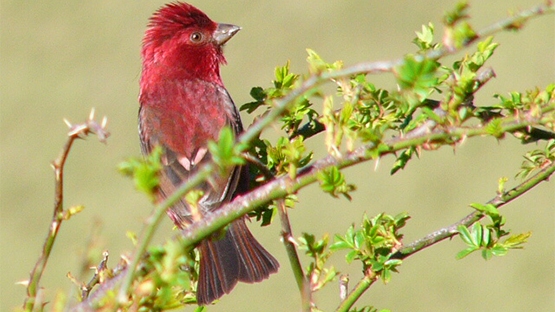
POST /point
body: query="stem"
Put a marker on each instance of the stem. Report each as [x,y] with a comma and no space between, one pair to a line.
[280,187]
[57,218]
[96,279]
[285,185]
[76,132]
[288,241]
[498,201]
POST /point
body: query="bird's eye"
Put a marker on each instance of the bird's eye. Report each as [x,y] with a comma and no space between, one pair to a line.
[196,37]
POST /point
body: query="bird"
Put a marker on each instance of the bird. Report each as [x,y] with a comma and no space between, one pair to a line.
[184,105]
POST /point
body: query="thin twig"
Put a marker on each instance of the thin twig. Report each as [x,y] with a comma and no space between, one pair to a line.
[75,132]
[498,201]
[99,274]
[291,248]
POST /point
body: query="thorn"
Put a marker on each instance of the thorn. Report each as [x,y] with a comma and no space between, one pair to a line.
[68,123]
[463,140]
[24,283]
[104,122]
[376,164]
[91,115]
[292,241]
[343,286]
[96,271]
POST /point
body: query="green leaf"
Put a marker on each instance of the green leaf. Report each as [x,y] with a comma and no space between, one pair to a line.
[417,75]
[268,216]
[466,252]
[424,38]
[458,13]
[487,254]
[501,185]
[476,233]
[465,235]
[224,152]
[351,255]
[144,171]
[499,250]
[339,243]
[332,181]
[488,209]
[284,79]
[514,241]
[462,33]
[71,211]
[495,128]
[403,159]
[317,65]
[536,159]
[486,237]
[259,95]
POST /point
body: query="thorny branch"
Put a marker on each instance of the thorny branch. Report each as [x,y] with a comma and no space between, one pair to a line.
[76,131]
[450,231]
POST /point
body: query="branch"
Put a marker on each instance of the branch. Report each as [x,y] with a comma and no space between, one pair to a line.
[447,232]
[76,131]
[498,201]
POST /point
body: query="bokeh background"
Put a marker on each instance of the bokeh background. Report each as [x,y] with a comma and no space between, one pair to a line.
[58,59]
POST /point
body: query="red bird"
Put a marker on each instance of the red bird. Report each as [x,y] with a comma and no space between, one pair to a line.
[184,104]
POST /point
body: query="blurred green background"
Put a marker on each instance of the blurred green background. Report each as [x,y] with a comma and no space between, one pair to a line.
[60,58]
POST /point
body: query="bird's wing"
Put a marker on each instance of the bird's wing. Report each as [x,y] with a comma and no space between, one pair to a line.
[183,133]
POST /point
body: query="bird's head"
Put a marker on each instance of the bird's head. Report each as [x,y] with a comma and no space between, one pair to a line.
[182,42]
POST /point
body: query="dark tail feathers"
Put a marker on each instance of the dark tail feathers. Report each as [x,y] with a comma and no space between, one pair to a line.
[236,257]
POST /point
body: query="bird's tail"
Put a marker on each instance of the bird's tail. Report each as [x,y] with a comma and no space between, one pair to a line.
[237,256]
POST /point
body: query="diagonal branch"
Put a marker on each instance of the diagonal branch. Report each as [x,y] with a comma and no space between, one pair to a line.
[498,201]
[437,236]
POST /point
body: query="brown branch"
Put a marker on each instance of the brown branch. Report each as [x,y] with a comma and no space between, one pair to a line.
[59,215]
[99,275]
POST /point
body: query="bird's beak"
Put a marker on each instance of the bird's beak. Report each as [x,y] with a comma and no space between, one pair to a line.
[224,32]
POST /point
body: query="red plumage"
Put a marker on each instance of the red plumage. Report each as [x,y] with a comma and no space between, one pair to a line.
[183,105]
